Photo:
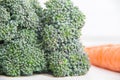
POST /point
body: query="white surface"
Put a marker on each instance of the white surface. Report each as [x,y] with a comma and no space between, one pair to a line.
[93,74]
[99,40]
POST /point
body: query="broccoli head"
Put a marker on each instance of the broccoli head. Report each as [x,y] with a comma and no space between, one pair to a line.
[16,15]
[33,39]
[21,56]
[19,52]
[62,24]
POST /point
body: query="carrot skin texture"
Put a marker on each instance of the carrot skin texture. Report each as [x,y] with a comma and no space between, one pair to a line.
[105,56]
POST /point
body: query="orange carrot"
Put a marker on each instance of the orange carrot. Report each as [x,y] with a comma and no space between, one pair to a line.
[105,56]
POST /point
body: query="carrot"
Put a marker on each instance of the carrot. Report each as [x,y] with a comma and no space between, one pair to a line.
[105,56]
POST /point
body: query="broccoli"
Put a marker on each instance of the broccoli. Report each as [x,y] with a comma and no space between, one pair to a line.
[19,51]
[19,58]
[33,39]
[8,28]
[62,24]
[16,15]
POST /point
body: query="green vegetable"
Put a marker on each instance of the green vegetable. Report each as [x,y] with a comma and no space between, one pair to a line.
[61,27]
[16,15]
[19,52]
[19,58]
[33,39]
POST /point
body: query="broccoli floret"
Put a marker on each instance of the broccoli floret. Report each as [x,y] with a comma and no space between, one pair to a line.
[70,61]
[16,15]
[62,24]
[19,51]
[22,56]
[33,39]
[21,59]
[21,12]
[7,28]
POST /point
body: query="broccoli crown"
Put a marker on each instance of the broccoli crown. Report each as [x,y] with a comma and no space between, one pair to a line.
[8,28]
[18,58]
[62,24]
[33,39]
[19,52]
[16,15]
[61,21]
[69,61]
[21,56]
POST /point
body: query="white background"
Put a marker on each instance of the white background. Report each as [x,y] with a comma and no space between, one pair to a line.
[102,21]
[102,17]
